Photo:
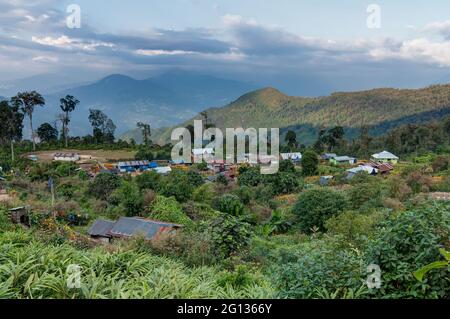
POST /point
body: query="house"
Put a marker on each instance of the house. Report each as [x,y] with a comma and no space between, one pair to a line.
[100,230]
[383,168]
[66,157]
[325,180]
[20,215]
[293,157]
[128,227]
[362,168]
[339,160]
[385,157]
[133,166]
[328,156]
[201,154]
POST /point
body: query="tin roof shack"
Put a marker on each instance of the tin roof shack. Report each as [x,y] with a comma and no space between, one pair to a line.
[100,230]
[127,227]
[20,215]
[66,157]
[383,168]
[328,156]
[341,160]
[362,168]
[385,157]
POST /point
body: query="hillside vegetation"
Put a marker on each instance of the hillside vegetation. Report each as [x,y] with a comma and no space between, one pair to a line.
[271,108]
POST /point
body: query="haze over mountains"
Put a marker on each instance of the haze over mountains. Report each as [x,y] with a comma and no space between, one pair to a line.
[164,100]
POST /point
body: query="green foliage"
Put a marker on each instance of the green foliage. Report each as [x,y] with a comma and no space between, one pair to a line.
[169,210]
[229,204]
[195,179]
[406,243]
[149,180]
[229,234]
[177,184]
[144,153]
[250,177]
[103,185]
[315,206]
[310,163]
[130,198]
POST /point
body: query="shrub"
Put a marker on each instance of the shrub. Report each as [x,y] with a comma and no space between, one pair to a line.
[245,194]
[103,185]
[130,198]
[177,184]
[229,204]
[149,180]
[310,163]
[169,210]
[229,234]
[250,177]
[195,179]
[203,194]
[407,243]
[315,206]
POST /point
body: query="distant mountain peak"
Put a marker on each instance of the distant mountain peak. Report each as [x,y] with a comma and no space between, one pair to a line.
[116,77]
[268,96]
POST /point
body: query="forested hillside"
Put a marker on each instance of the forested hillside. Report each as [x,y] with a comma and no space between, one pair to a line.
[376,108]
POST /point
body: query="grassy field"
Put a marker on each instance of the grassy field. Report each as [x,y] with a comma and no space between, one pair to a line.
[100,155]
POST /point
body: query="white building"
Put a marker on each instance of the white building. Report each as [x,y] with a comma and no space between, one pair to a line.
[200,154]
[293,157]
[66,157]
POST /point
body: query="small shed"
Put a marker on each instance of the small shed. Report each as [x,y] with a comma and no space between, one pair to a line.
[20,215]
[100,230]
[163,170]
[127,227]
[133,166]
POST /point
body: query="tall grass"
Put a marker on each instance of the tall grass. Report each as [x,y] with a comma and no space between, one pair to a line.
[31,269]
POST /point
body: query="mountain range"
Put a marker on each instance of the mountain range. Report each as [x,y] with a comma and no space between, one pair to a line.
[162,100]
[380,109]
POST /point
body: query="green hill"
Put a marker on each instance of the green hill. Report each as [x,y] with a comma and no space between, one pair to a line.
[271,108]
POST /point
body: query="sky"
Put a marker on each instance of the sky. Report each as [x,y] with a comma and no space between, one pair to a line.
[302,47]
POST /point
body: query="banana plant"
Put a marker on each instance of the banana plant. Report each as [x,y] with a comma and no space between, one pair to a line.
[419,274]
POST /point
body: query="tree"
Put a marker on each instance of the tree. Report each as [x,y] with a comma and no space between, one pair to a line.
[310,163]
[68,105]
[103,185]
[47,133]
[27,101]
[12,124]
[314,207]
[110,129]
[291,139]
[146,132]
[98,121]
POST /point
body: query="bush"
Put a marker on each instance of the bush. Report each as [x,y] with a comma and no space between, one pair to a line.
[169,210]
[195,179]
[315,206]
[177,184]
[103,185]
[229,204]
[282,183]
[310,163]
[129,198]
[245,194]
[407,243]
[144,153]
[203,194]
[149,180]
[250,177]
[229,234]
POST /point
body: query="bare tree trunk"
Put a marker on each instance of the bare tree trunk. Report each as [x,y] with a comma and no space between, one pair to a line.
[66,129]
[12,150]
[32,131]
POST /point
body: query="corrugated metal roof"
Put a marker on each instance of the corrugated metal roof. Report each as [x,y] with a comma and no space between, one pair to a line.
[101,228]
[131,226]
